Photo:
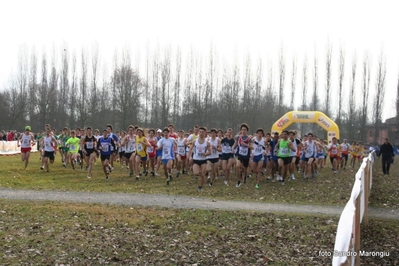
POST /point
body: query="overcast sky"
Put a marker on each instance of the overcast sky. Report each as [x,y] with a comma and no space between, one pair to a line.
[255,27]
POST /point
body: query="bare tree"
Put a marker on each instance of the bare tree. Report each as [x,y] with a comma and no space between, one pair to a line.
[64,87]
[32,103]
[236,85]
[352,105]
[53,92]
[155,102]
[365,93]
[43,92]
[258,120]
[15,105]
[73,98]
[127,94]
[148,94]
[315,98]
[94,84]
[84,94]
[198,100]
[341,75]
[328,78]
[176,89]
[293,83]
[187,106]
[281,76]
[209,87]
[271,101]
[380,94]
[165,86]
[248,93]
[304,89]
[19,96]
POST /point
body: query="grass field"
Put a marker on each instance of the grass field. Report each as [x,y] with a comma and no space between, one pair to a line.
[326,189]
[54,233]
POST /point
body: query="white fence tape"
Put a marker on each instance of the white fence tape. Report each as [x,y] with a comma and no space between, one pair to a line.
[346,225]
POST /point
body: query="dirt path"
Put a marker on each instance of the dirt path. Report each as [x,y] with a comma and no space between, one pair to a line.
[170,201]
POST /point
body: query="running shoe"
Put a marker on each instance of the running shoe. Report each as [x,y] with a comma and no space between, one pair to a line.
[199,188]
[238,184]
[256,186]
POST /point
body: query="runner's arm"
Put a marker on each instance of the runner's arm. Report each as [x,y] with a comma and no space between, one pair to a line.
[219,147]
[208,149]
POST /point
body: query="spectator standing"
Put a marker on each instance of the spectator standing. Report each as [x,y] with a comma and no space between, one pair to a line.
[10,136]
[387,154]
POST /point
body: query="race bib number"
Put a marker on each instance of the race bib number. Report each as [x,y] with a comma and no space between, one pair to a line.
[90,145]
[130,148]
[226,149]
[309,152]
[165,151]
[200,152]
[243,151]
[284,151]
[105,148]
[150,149]
[72,147]
[334,151]
[26,141]
[181,151]
[47,144]
[139,147]
[258,149]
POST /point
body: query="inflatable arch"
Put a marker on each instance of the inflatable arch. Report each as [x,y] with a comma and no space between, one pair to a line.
[307,117]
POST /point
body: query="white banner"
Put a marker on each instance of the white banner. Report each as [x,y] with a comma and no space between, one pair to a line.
[11,147]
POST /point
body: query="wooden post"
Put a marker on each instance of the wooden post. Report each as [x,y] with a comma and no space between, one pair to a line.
[357,230]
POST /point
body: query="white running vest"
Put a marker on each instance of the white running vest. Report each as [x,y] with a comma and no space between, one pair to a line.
[199,150]
[259,146]
[214,153]
[25,141]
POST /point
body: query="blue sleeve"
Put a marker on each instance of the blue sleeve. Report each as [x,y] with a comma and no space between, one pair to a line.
[115,137]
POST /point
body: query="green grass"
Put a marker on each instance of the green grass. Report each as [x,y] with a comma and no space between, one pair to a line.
[326,189]
[51,233]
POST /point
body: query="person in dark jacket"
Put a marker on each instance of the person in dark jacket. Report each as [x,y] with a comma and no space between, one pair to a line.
[387,154]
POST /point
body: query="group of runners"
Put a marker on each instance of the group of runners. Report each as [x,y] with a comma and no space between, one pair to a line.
[207,154]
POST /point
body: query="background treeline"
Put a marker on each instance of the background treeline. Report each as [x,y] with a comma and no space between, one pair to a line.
[161,86]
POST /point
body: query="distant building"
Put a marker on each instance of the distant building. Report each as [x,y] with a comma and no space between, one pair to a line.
[388,129]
